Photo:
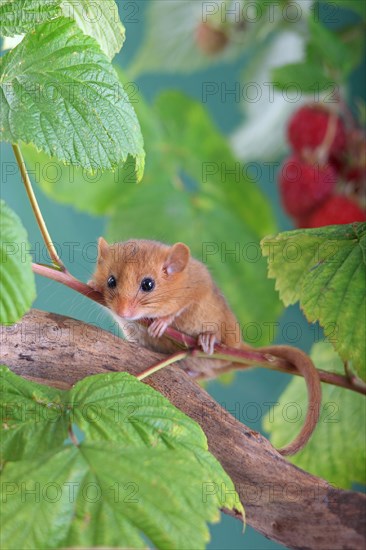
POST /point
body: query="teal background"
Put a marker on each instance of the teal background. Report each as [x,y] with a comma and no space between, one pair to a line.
[67,225]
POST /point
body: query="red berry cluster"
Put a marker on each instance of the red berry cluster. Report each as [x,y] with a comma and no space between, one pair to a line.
[323,182]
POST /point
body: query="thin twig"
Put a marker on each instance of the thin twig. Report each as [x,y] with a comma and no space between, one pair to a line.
[162,364]
[65,278]
[37,212]
[282,365]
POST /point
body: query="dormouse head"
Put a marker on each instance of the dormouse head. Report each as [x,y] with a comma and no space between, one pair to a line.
[141,278]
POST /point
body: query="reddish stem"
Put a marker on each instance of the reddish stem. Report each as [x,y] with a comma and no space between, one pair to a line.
[247,356]
[65,278]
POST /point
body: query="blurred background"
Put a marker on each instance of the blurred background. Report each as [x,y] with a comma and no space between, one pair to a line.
[201,78]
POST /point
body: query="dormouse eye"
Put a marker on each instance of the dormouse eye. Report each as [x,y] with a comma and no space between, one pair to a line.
[112,283]
[147,284]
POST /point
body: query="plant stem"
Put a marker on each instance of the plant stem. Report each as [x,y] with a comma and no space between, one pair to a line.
[37,212]
[162,364]
[281,365]
[324,148]
[65,278]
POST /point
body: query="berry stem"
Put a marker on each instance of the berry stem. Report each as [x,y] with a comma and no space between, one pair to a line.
[323,149]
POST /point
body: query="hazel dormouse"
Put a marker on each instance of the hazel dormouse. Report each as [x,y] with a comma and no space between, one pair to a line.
[145,279]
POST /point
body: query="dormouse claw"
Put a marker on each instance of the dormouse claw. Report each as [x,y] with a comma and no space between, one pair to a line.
[157,328]
[207,341]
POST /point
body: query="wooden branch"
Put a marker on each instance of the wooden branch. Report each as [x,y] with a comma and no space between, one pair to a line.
[281,501]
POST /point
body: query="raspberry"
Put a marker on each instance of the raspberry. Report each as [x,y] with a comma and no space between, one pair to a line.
[210,40]
[355,174]
[307,129]
[304,186]
[302,223]
[337,209]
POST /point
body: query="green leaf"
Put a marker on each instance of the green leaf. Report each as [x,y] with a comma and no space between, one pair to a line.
[139,507]
[355,5]
[18,288]
[337,449]
[38,495]
[325,269]
[329,47]
[116,407]
[114,476]
[95,193]
[305,77]
[100,19]
[203,153]
[98,193]
[124,491]
[21,16]
[196,189]
[353,38]
[33,418]
[96,18]
[59,92]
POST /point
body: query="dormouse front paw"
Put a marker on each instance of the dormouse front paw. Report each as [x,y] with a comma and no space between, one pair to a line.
[158,327]
[207,341]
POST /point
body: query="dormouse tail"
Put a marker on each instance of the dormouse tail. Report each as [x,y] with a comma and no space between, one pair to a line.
[305,366]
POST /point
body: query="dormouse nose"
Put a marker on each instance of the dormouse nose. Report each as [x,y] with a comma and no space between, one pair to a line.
[124,308]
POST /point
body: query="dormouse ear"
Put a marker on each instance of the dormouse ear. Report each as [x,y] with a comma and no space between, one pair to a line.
[177,259]
[103,249]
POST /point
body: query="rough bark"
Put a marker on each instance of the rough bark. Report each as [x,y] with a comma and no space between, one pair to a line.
[281,501]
